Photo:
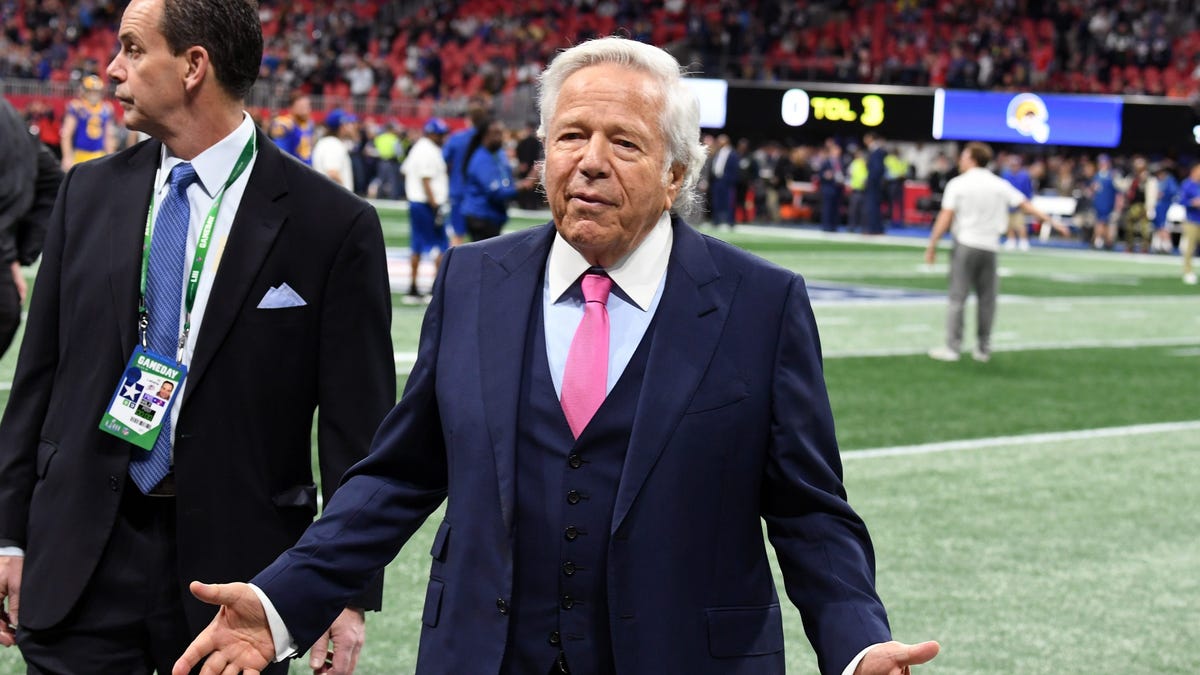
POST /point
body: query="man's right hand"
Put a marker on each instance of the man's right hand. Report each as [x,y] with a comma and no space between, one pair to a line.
[10,587]
[237,640]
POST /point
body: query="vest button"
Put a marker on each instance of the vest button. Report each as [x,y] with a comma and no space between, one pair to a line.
[569,568]
[502,605]
[571,533]
[555,640]
[575,461]
[573,497]
[114,484]
[568,602]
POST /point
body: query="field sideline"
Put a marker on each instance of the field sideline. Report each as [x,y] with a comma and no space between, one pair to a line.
[1030,513]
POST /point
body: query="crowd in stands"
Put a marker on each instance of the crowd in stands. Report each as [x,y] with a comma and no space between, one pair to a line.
[385,50]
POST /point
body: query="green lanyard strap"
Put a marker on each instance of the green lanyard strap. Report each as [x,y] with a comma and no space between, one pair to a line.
[198,257]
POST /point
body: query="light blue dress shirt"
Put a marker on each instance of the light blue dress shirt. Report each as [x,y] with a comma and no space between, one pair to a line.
[638,281]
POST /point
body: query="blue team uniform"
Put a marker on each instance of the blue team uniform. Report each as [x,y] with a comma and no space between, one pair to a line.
[91,128]
[293,137]
[1168,194]
[1104,195]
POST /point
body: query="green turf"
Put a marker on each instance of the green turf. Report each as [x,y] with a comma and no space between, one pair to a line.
[1072,556]
[885,401]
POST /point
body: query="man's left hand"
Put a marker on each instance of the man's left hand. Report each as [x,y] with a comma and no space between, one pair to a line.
[19,281]
[895,658]
[347,635]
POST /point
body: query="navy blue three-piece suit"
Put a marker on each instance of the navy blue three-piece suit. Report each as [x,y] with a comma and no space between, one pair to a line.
[638,547]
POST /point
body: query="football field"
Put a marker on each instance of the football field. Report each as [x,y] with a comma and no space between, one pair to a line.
[1034,514]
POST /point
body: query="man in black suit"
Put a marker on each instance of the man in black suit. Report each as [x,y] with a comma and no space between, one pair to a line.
[283,307]
[29,179]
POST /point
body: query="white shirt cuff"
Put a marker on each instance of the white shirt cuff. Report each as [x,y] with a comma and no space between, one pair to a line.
[858,659]
[14,551]
[285,645]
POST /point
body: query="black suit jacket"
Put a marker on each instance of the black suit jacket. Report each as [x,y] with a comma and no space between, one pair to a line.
[244,482]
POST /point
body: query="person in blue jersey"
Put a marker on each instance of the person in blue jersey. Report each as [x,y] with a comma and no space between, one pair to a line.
[489,184]
[293,131]
[88,125]
[1168,195]
[1018,176]
[1105,201]
[455,154]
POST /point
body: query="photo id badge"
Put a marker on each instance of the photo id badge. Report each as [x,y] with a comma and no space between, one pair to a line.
[143,398]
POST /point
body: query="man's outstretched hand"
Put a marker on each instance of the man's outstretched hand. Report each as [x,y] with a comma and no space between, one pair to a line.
[895,658]
[237,640]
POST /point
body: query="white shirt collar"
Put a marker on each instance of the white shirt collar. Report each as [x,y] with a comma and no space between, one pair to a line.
[637,274]
[214,164]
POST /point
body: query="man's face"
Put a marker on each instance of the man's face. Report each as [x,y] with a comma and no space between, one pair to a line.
[493,139]
[965,162]
[605,154]
[149,78]
[302,108]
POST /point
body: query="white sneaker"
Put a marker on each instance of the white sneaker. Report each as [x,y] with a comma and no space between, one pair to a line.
[943,354]
[1023,244]
[1190,278]
[981,356]
[1010,244]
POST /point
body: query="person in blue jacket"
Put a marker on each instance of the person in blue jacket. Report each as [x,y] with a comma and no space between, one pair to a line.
[488,183]
[455,154]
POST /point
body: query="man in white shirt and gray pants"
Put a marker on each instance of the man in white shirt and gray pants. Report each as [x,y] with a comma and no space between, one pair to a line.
[975,208]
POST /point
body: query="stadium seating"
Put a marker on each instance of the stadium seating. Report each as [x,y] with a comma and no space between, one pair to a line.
[452,51]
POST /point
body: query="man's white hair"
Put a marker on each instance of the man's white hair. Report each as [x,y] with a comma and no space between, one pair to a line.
[680,115]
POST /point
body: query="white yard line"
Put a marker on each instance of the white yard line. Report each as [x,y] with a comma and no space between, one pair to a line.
[1188,341]
[1026,439]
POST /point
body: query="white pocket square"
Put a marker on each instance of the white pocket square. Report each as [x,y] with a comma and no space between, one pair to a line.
[281,298]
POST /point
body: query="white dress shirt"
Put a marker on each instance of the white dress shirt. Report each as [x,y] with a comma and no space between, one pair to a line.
[213,167]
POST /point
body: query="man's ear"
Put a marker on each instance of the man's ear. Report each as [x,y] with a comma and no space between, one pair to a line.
[675,181]
[197,67]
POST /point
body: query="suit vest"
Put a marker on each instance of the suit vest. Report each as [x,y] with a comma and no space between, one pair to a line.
[566,489]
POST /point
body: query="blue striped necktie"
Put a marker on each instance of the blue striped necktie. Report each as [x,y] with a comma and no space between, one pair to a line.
[164,294]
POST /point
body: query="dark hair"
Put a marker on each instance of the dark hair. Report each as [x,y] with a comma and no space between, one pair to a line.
[981,153]
[229,30]
[485,123]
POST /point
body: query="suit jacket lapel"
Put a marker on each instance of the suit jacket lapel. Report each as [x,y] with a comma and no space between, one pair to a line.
[509,289]
[688,325]
[125,221]
[257,222]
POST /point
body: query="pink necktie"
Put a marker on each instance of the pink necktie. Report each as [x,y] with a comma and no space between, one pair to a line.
[585,378]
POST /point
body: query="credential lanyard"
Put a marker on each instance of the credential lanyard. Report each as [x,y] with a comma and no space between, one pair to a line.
[198,258]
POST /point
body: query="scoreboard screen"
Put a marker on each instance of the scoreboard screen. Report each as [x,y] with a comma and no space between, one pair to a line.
[813,113]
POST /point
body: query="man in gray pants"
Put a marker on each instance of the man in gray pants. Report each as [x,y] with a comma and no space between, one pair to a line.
[975,210]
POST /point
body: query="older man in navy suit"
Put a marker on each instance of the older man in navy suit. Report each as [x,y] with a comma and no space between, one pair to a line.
[609,404]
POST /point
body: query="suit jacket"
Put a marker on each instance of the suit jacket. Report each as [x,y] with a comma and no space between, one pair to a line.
[733,425]
[244,481]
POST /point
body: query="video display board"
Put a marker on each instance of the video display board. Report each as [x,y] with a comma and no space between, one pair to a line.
[1026,117]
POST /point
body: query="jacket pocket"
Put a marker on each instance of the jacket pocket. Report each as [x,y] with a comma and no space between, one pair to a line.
[45,452]
[744,631]
[440,541]
[298,497]
[433,603]
[721,386]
